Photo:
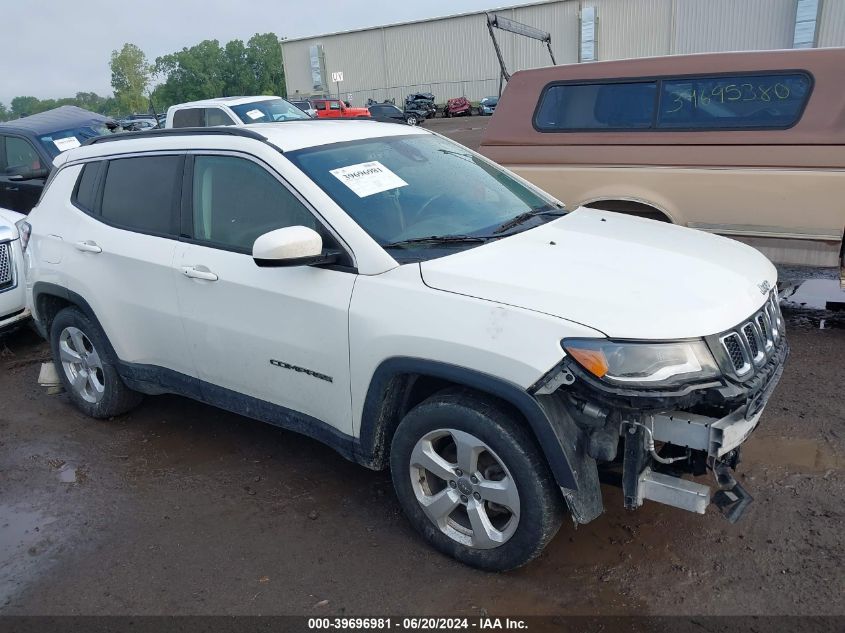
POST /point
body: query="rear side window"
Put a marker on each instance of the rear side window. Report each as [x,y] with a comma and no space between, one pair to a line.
[86,187]
[751,101]
[610,106]
[141,194]
[189,117]
[747,101]
[216,116]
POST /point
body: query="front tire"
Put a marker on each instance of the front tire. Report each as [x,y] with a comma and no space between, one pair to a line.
[86,366]
[411,120]
[471,480]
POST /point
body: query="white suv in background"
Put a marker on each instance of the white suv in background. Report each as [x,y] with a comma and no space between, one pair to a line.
[413,305]
[13,310]
[232,111]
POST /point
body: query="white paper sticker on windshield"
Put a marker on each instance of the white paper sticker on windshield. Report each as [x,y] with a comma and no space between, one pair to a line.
[64,144]
[366,179]
[255,114]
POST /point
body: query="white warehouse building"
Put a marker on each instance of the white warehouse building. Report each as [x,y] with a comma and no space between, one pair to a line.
[453,56]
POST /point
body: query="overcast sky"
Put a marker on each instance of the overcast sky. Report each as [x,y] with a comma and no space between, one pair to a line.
[56,48]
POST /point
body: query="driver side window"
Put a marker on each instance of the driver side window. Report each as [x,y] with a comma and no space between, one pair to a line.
[236,200]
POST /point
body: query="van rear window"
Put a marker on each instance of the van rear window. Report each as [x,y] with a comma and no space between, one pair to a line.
[748,101]
[608,106]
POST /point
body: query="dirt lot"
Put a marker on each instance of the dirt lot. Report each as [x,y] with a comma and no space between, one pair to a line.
[179,508]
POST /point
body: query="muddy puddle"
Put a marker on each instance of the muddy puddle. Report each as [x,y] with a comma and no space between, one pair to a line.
[804,455]
[21,541]
[814,294]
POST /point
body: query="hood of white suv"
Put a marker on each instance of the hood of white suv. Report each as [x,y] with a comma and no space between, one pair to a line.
[625,276]
[8,230]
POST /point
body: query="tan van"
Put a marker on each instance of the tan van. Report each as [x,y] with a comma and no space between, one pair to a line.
[748,145]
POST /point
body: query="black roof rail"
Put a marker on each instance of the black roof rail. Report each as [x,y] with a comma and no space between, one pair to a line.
[180,131]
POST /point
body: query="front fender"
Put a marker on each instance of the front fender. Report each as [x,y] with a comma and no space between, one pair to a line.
[548,434]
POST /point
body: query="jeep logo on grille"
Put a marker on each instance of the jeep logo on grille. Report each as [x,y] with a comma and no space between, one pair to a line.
[764,287]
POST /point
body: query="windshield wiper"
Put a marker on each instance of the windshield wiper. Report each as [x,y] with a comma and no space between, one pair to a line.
[438,239]
[524,217]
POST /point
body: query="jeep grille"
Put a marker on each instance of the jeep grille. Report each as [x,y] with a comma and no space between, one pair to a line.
[751,343]
[7,277]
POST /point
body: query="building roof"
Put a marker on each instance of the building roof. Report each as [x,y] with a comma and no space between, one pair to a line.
[60,118]
[433,19]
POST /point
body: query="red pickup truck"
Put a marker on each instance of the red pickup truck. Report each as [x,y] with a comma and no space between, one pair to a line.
[337,109]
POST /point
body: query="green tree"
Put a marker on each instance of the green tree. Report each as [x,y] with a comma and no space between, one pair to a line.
[89,101]
[130,76]
[26,106]
[209,70]
[237,73]
[264,53]
[22,106]
[190,74]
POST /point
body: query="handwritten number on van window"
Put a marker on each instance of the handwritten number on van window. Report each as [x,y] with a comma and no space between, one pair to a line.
[746,93]
[758,101]
[696,98]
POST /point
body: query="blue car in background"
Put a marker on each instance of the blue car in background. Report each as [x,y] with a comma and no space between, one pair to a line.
[28,146]
[487,105]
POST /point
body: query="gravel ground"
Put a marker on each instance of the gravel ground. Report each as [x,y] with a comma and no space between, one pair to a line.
[179,508]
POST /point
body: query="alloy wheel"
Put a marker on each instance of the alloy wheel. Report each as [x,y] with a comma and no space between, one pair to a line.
[464,488]
[82,364]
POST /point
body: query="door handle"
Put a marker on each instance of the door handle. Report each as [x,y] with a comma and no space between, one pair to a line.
[199,272]
[88,247]
[13,188]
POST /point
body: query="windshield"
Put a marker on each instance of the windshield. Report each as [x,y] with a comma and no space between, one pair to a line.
[57,142]
[404,188]
[269,111]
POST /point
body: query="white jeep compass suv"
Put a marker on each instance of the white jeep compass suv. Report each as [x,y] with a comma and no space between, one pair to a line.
[404,300]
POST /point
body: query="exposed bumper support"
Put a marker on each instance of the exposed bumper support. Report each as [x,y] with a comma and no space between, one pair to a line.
[673,491]
[717,436]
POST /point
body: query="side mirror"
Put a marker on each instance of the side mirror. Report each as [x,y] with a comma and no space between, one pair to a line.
[26,173]
[290,246]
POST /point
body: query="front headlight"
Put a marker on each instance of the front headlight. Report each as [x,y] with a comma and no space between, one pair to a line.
[25,231]
[634,364]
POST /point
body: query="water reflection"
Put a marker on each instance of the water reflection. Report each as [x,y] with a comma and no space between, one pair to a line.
[813,294]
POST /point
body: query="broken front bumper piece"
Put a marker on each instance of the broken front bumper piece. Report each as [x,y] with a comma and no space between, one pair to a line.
[720,439]
[648,441]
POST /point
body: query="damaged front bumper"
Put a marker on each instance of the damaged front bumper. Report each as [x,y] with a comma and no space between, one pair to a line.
[648,442]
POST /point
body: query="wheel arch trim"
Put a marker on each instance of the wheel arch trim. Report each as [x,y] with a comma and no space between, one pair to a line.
[373,425]
[660,208]
[45,289]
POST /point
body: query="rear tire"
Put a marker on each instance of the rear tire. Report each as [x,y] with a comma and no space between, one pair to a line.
[87,367]
[449,498]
